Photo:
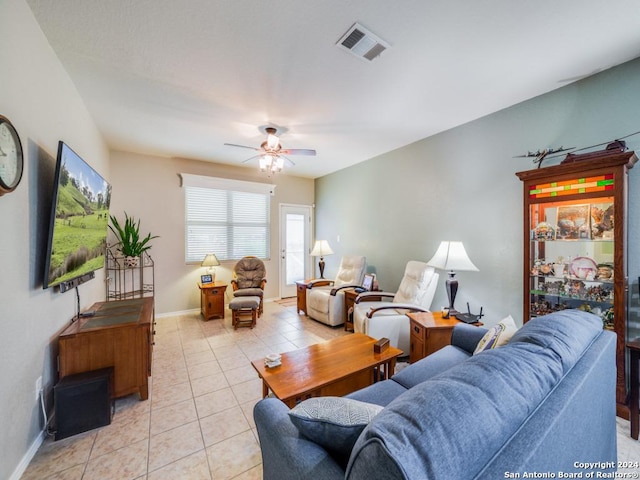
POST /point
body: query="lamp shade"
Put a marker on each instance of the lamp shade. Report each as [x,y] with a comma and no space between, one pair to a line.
[210,260]
[452,256]
[321,248]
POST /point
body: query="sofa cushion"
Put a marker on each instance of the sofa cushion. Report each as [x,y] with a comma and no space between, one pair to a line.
[333,422]
[381,393]
[436,423]
[497,336]
[565,333]
[430,366]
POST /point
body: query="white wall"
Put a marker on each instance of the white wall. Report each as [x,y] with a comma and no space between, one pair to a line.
[37,95]
[148,187]
[461,185]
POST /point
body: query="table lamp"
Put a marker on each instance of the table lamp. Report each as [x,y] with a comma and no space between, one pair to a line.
[210,260]
[320,249]
[452,256]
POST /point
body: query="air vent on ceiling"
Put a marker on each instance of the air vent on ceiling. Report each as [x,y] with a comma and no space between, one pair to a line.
[362,43]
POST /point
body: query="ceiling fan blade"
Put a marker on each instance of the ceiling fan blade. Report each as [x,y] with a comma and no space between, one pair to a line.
[291,164]
[297,151]
[243,146]
[251,158]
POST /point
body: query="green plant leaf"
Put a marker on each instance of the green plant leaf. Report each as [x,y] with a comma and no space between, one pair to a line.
[128,234]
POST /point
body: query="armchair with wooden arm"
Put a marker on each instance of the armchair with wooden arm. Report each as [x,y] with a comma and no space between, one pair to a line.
[249,279]
[388,319]
[325,298]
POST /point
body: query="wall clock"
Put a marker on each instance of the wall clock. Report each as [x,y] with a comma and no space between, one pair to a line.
[11,160]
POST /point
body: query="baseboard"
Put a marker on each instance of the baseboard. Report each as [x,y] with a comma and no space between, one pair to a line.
[180,312]
[28,456]
[197,310]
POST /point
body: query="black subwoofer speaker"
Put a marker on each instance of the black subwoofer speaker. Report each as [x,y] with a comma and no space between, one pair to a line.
[83,402]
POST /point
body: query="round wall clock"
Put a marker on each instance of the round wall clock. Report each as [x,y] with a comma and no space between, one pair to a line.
[11,160]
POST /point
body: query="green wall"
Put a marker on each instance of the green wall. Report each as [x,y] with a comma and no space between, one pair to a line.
[461,185]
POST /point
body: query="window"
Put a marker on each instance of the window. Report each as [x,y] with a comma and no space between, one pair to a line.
[230,218]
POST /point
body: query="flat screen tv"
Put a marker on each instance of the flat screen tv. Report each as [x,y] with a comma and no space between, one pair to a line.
[78,222]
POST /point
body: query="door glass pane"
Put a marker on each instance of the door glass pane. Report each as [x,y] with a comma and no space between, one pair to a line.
[294,248]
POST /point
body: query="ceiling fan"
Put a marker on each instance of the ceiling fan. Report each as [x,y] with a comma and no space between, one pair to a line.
[272,155]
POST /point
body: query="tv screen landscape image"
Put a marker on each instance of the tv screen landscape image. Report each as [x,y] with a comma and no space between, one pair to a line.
[79,220]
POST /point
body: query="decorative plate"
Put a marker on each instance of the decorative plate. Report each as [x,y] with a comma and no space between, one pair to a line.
[583,268]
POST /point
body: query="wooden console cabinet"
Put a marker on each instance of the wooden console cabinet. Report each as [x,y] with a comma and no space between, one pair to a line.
[118,335]
[212,299]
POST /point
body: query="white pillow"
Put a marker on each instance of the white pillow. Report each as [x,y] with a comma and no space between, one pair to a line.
[498,335]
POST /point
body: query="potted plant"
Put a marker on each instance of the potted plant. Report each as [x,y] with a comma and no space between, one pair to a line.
[132,246]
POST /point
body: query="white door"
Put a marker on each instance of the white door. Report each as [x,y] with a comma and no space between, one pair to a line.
[295,246]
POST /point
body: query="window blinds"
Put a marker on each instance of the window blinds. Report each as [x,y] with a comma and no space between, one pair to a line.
[227,217]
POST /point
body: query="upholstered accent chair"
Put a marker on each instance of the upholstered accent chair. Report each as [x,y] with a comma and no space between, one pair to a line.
[388,319]
[249,279]
[325,298]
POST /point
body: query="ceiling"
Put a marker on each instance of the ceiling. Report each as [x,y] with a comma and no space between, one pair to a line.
[181,78]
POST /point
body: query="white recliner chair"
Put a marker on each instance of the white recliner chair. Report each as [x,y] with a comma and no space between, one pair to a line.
[325,298]
[388,319]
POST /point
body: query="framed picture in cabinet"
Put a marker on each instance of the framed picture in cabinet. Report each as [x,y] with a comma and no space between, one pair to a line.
[602,221]
[573,222]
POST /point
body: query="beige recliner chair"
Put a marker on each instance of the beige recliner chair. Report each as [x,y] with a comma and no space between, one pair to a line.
[325,298]
[388,319]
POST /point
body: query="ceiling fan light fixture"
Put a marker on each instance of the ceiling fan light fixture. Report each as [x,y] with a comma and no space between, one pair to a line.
[273,142]
[271,163]
[265,163]
[270,159]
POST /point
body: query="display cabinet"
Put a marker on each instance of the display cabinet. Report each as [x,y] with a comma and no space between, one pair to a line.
[575,218]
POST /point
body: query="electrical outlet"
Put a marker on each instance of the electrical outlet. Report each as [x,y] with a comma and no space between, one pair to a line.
[38,388]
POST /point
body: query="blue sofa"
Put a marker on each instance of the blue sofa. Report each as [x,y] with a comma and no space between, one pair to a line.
[545,402]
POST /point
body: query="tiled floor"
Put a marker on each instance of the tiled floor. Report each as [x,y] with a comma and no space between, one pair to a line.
[197,423]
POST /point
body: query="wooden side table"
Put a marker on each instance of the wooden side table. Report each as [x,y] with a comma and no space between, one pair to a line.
[429,333]
[634,358]
[349,299]
[350,295]
[212,299]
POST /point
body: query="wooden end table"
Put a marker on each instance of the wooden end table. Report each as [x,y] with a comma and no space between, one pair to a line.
[212,299]
[332,368]
[429,333]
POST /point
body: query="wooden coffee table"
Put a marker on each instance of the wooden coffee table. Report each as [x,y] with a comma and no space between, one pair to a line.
[332,368]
